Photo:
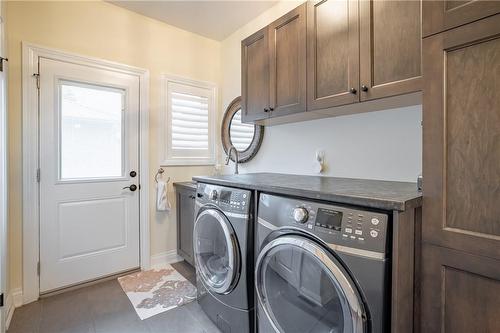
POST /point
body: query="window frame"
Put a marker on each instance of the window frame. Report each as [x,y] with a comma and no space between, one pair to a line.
[168,157]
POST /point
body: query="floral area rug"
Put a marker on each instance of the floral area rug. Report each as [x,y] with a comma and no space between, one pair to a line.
[157,290]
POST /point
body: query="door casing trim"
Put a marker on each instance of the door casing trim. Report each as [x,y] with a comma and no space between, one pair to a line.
[31,218]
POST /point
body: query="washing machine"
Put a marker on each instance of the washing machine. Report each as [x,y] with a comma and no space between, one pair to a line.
[223,253]
[321,267]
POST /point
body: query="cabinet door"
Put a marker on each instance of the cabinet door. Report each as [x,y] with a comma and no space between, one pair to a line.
[461,138]
[461,172]
[446,14]
[390,48]
[287,47]
[255,76]
[185,224]
[332,53]
[460,292]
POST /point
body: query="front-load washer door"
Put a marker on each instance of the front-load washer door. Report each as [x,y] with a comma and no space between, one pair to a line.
[216,251]
[302,287]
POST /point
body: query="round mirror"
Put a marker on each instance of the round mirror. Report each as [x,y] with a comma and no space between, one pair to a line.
[246,138]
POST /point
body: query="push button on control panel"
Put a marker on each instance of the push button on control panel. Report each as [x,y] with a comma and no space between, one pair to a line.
[373,233]
[348,230]
[375,221]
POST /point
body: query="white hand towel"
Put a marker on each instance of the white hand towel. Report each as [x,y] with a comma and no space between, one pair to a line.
[162,204]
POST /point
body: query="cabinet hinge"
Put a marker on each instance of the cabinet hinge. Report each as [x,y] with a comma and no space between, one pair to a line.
[37,77]
[38,268]
[1,300]
[38,175]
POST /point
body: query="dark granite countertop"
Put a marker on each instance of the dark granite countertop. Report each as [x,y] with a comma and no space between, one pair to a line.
[190,185]
[386,195]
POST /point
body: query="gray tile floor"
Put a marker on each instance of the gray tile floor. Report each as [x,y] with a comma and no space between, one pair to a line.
[104,308]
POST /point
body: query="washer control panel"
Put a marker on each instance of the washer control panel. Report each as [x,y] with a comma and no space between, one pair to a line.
[228,199]
[335,224]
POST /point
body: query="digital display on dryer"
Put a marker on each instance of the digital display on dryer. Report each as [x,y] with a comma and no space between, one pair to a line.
[225,196]
[329,218]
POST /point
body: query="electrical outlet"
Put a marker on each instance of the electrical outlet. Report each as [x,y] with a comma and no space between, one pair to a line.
[320,155]
[320,160]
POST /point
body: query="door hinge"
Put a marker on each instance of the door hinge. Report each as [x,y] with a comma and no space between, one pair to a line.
[38,175]
[37,77]
[1,300]
[38,268]
[2,59]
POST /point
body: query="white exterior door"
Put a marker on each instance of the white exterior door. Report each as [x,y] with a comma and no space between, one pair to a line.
[89,148]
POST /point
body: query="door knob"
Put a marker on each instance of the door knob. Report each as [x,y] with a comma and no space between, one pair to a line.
[364,88]
[353,91]
[132,187]
[266,110]
[133,173]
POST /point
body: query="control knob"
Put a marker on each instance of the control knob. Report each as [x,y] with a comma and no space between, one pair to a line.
[300,215]
[213,195]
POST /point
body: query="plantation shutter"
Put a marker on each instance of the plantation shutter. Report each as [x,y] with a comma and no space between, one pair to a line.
[190,112]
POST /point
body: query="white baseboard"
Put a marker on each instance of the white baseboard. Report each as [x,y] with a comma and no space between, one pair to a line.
[13,301]
[165,258]
[17,297]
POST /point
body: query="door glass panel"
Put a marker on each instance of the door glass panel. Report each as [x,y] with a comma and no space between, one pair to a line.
[91,131]
[300,294]
[214,254]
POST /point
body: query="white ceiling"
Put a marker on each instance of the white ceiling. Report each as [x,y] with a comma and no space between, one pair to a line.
[212,19]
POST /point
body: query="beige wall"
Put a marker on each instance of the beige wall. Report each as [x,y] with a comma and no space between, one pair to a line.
[105,31]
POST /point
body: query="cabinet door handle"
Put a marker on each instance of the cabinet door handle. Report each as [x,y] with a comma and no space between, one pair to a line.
[353,91]
[364,88]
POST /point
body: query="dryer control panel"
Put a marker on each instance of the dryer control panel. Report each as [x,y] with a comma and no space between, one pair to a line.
[334,224]
[227,199]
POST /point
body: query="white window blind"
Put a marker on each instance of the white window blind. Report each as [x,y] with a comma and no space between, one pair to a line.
[190,110]
[241,134]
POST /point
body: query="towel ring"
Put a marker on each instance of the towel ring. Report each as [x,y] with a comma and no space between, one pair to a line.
[158,173]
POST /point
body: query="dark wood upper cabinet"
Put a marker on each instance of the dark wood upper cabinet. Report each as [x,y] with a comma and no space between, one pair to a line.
[329,53]
[390,48]
[255,74]
[447,14]
[332,53]
[287,47]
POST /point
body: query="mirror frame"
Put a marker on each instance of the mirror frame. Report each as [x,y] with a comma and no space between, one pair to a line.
[251,151]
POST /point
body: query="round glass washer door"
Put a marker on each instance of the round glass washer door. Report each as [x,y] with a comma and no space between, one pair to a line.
[301,287]
[216,251]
